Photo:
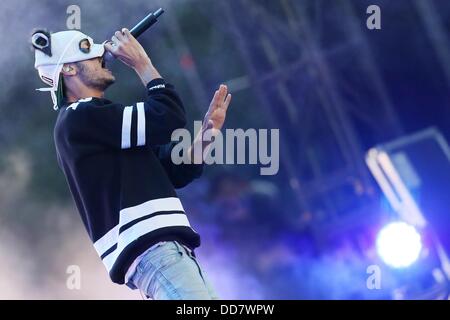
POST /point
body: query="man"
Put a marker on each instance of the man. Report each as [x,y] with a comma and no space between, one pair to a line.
[117,162]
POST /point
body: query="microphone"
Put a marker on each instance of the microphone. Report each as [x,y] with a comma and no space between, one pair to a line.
[140,28]
[146,23]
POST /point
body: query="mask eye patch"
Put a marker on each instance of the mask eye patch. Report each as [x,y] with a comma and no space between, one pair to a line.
[40,40]
[85,46]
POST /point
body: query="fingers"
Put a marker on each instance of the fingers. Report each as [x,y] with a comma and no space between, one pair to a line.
[119,38]
[119,35]
[109,47]
[212,105]
[223,90]
[226,102]
[219,98]
[216,113]
[127,33]
[215,100]
[223,97]
[115,41]
[219,102]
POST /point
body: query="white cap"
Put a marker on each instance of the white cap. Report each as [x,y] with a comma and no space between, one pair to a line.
[52,51]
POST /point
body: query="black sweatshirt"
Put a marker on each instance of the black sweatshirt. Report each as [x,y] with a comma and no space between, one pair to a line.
[117,163]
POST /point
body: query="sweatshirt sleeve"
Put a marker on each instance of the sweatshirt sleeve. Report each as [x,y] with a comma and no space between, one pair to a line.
[119,127]
[180,175]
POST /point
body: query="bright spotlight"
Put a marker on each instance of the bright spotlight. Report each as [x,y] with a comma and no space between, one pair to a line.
[399,244]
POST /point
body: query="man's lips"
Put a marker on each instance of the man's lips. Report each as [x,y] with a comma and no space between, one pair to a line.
[104,67]
[102,63]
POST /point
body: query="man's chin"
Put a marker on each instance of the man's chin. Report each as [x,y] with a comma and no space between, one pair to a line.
[107,82]
[110,81]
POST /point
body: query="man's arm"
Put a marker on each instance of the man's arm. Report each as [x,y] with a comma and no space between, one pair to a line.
[180,175]
[115,126]
[128,50]
[146,123]
[183,174]
[212,123]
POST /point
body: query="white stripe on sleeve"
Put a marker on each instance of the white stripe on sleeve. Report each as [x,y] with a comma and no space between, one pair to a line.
[141,124]
[126,127]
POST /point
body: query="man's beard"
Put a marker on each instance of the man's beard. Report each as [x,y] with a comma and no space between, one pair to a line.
[93,80]
[100,83]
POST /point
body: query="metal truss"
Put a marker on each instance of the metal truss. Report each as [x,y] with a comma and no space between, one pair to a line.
[310,66]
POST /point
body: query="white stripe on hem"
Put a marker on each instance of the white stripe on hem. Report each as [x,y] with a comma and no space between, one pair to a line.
[130,214]
[142,228]
[166,204]
[107,241]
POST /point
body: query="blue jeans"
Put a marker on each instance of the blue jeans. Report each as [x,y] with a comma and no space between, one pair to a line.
[170,271]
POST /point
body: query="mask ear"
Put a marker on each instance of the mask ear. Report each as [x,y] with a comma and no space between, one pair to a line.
[41,40]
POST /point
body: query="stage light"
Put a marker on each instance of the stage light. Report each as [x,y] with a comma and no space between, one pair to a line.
[399,244]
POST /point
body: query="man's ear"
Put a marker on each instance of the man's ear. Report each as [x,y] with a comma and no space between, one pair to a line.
[69,69]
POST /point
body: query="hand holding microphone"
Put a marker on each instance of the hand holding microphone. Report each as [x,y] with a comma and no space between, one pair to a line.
[126,48]
[135,32]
